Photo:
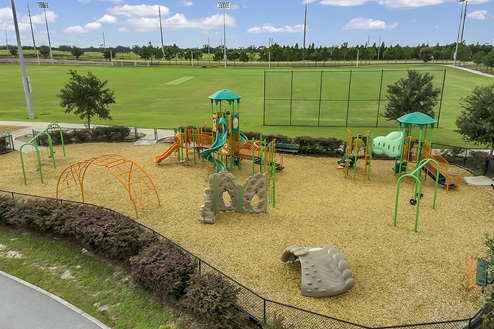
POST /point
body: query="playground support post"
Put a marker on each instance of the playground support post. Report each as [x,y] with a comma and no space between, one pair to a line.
[32,142]
[418,191]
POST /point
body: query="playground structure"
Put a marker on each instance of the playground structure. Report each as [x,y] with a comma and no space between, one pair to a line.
[406,150]
[224,147]
[134,179]
[35,144]
[325,272]
[358,148]
[403,147]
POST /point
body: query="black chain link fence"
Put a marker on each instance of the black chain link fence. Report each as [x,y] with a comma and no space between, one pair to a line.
[477,161]
[261,310]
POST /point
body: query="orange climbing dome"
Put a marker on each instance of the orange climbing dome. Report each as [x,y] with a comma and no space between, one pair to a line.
[134,179]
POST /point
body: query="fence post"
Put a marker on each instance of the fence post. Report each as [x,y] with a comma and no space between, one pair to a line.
[348,98]
[155,134]
[264,311]
[486,166]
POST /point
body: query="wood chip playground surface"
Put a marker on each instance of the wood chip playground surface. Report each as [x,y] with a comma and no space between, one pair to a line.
[401,277]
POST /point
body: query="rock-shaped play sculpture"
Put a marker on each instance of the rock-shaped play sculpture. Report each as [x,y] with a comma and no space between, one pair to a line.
[325,272]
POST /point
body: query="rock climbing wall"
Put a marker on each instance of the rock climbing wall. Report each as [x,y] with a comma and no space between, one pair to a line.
[224,182]
[325,272]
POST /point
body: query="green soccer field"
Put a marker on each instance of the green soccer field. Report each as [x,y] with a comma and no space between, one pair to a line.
[168,97]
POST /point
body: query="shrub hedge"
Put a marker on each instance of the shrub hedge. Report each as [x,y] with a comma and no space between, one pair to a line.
[106,134]
[156,265]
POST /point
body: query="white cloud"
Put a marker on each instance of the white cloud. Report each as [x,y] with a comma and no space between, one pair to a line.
[123,29]
[84,1]
[269,28]
[75,30]
[408,4]
[107,19]
[343,3]
[7,20]
[185,3]
[179,21]
[308,1]
[478,14]
[361,23]
[144,24]
[92,26]
[138,10]
[113,1]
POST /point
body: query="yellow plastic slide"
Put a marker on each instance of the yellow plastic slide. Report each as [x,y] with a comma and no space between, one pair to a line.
[167,153]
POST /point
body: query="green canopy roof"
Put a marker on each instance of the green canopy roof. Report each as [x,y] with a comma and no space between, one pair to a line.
[417,118]
[224,95]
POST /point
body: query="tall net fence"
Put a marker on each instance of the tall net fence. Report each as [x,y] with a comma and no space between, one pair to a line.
[333,98]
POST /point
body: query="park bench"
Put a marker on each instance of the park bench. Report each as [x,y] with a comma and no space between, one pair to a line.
[287,148]
[481,277]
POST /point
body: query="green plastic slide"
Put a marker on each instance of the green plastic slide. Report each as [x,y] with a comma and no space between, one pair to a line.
[391,145]
[221,136]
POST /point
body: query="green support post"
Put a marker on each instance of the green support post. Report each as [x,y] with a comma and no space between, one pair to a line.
[417,191]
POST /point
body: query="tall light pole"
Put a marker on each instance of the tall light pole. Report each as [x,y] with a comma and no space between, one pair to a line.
[44,5]
[25,78]
[32,33]
[161,31]
[224,5]
[305,30]
[461,27]
[270,42]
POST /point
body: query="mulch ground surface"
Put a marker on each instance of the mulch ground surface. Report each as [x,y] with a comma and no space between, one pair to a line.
[401,276]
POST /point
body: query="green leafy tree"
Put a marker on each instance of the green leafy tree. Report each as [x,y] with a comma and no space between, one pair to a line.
[87,97]
[218,56]
[76,52]
[13,51]
[44,51]
[488,60]
[476,121]
[243,57]
[426,54]
[109,54]
[478,58]
[416,93]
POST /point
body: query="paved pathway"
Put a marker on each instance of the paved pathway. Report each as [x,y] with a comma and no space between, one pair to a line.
[23,305]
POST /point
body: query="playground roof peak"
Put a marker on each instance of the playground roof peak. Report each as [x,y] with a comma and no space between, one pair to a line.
[417,118]
[224,95]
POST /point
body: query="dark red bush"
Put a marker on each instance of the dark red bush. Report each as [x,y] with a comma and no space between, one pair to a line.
[162,269]
[212,299]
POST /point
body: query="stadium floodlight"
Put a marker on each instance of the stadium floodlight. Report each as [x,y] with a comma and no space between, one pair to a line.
[44,5]
[224,5]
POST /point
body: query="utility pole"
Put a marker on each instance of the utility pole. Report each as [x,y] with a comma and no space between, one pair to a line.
[305,31]
[161,31]
[32,33]
[25,78]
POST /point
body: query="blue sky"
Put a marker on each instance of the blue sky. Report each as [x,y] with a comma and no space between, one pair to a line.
[191,23]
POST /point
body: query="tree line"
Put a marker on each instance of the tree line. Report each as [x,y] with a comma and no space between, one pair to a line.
[477,53]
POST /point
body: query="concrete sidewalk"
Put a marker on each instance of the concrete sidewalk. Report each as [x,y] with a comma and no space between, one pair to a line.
[151,136]
[23,305]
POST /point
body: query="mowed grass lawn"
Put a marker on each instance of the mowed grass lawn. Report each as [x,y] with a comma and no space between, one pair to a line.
[144,97]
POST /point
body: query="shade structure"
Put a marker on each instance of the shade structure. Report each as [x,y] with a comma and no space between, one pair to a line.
[416,118]
[224,95]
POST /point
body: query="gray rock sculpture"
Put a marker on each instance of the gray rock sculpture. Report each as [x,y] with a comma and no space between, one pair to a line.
[325,272]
